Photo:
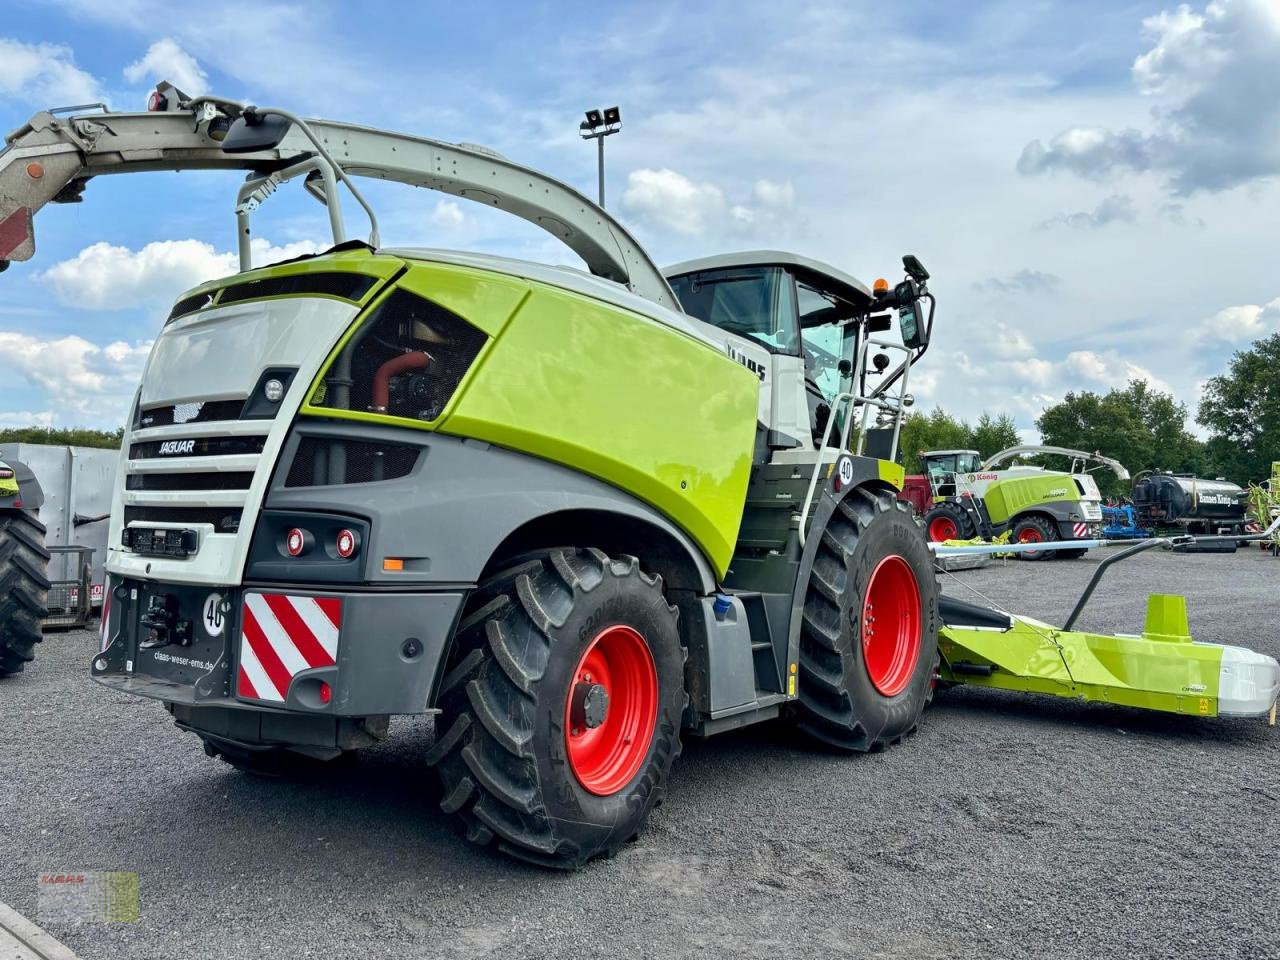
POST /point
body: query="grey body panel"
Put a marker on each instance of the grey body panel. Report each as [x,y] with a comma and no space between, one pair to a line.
[30,493]
[768,258]
[373,675]
[460,502]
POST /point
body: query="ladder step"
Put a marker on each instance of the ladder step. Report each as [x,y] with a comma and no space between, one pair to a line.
[762,645]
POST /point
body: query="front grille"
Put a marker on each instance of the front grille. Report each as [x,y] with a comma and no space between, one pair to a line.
[199,447]
[190,305]
[238,480]
[314,463]
[209,412]
[223,519]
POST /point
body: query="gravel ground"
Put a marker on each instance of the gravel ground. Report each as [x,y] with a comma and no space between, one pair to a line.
[1007,827]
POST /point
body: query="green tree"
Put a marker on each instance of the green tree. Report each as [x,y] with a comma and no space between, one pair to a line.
[991,434]
[1143,428]
[938,430]
[1241,409]
[68,436]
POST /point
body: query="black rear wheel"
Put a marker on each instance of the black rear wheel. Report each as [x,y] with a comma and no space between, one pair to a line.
[869,636]
[1035,530]
[560,716]
[24,588]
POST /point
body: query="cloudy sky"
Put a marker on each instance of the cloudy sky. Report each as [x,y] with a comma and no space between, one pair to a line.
[1090,183]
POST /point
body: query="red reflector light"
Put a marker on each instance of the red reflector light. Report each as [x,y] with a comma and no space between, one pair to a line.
[326,692]
[346,544]
[156,102]
[295,542]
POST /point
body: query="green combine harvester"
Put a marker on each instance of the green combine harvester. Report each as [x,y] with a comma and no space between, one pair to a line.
[575,515]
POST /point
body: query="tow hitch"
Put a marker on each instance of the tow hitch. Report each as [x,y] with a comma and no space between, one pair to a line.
[163,624]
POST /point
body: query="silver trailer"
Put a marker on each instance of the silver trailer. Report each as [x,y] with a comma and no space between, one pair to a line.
[77,484]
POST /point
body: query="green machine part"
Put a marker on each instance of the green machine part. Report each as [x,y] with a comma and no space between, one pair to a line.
[562,377]
[1160,670]
[1008,497]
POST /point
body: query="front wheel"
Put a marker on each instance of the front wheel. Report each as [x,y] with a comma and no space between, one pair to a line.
[1034,530]
[869,634]
[560,715]
[947,521]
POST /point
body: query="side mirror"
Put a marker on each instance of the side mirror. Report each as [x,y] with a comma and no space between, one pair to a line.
[253,132]
[915,333]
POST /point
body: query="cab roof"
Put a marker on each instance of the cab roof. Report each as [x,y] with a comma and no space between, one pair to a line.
[947,453]
[847,286]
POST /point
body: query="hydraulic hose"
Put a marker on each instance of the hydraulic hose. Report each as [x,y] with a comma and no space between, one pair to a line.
[414,360]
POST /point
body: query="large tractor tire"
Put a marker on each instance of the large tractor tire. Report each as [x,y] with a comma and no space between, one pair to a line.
[560,715]
[947,521]
[24,588]
[869,636]
[1035,529]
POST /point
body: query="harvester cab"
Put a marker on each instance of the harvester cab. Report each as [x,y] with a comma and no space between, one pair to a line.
[435,482]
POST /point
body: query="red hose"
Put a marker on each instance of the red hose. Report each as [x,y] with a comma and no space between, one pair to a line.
[415,360]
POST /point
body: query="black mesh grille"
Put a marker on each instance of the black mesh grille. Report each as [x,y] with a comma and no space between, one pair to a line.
[404,326]
[348,286]
[202,447]
[207,412]
[314,464]
[190,305]
[238,480]
[224,519]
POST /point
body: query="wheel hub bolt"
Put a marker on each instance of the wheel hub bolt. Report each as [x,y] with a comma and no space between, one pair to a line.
[590,705]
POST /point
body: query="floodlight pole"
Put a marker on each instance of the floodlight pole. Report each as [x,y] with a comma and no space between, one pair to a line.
[598,125]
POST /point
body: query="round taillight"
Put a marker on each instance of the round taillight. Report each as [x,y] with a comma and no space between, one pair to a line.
[326,692]
[346,544]
[295,542]
[156,102]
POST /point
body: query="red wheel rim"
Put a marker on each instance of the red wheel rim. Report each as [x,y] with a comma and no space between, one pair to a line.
[618,665]
[1030,535]
[943,528]
[891,626]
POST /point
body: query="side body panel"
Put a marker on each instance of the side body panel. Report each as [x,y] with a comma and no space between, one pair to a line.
[619,397]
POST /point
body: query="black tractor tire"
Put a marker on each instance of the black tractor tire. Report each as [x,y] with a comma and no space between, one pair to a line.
[24,588]
[507,707]
[1071,554]
[275,763]
[943,514]
[839,704]
[1042,530]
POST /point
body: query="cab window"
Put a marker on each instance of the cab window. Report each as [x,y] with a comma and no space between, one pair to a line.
[752,302]
[825,342]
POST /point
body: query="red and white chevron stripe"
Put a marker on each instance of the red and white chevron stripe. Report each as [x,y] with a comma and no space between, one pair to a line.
[1081,530]
[280,637]
[106,614]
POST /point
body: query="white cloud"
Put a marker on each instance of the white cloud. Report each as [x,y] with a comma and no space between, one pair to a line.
[108,277]
[80,379]
[1109,369]
[28,418]
[44,74]
[672,201]
[1024,281]
[1117,208]
[1216,74]
[165,60]
[1243,323]
[447,213]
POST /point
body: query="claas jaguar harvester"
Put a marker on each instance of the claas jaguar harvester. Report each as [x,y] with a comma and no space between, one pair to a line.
[575,515]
